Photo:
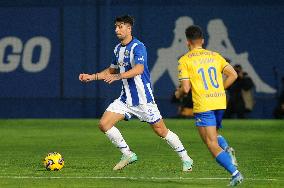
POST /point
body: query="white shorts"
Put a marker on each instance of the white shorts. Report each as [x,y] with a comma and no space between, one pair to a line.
[145,112]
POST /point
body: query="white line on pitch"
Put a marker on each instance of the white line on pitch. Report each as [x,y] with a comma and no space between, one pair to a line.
[131,178]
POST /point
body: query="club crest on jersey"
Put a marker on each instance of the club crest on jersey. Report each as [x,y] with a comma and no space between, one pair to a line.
[126,53]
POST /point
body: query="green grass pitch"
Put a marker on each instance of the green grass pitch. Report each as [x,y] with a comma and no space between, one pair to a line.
[90,156]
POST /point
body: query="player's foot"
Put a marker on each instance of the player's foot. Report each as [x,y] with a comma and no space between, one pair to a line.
[187,166]
[232,154]
[237,179]
[125,160]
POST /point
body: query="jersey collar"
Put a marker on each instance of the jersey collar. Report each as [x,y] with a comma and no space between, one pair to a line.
[128,43]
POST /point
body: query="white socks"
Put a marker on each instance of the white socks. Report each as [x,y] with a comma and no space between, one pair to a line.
[116,138]
[173,140]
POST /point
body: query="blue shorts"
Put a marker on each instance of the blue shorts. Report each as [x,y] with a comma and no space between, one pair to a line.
[209,118]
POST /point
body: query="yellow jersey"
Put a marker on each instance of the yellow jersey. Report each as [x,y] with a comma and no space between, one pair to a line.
[203,68]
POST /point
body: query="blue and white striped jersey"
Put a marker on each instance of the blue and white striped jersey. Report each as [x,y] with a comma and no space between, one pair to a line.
[137,90]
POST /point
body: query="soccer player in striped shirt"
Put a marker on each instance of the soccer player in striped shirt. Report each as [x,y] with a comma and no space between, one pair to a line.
[202,71]
[130,60]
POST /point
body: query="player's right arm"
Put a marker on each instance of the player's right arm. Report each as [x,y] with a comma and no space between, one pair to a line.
[227,70]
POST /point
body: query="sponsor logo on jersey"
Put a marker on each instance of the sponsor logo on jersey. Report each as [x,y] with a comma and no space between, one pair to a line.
[198,120]
[123,64]
[141,58]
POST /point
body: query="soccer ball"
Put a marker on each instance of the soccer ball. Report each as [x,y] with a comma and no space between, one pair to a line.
[53,161]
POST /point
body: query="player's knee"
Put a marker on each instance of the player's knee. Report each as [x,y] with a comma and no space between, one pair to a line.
[103,125]
[160,128]
[212,145]
[160,131]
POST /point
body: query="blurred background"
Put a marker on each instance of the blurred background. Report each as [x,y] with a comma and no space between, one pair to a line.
[45,45]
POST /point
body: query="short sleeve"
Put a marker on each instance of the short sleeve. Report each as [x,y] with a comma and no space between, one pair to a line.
[114,62]
[222,61]
[183,73]
[140,54]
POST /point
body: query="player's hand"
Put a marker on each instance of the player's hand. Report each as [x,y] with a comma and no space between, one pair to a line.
[85,77]
[104,75]
[178,94]
[109,78]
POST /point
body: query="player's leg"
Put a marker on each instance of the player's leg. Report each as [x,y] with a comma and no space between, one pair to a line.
[225,146]
[108,120]
[173,140]
[221,140]
[106,125]
[209,135]
[212,143]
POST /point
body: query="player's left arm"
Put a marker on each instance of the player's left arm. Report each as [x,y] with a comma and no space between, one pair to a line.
[140,57]
[136,70]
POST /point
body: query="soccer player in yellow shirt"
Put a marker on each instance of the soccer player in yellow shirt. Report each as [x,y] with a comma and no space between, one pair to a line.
[202,71]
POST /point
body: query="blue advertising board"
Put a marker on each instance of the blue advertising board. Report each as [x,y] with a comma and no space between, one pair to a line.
[29,52]
[45,46]
[246,35]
